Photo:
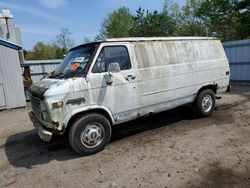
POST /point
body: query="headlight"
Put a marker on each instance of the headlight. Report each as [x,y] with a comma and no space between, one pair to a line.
[58,104]
[43,109]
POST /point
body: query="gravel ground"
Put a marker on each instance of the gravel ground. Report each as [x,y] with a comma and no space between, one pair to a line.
[170,149]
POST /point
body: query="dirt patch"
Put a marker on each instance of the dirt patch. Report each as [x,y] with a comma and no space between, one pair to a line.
[215,175]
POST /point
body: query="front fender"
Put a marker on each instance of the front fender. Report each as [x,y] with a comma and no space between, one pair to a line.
[86,109]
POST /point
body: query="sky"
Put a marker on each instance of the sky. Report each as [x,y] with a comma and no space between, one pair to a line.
[42,20]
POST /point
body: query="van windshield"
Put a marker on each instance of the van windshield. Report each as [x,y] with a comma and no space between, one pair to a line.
[75,62]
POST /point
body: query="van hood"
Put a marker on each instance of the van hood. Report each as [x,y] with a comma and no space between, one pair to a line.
[39,88]
[51,87]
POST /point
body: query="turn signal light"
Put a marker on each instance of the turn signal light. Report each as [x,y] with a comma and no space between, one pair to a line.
[58,104]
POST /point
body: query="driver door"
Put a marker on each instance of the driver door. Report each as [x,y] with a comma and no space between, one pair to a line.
[116,91]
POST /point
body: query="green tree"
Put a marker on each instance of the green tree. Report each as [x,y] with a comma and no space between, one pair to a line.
[174,11]
[151,24]
[64,39]
[243,28]
[229,19]
[117,24]
[190,24]
[42,51]
[60,52]
[220,17]
[138,30]
[25,52]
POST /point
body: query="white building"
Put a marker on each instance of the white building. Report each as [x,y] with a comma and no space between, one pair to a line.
[14,34]
[11,81]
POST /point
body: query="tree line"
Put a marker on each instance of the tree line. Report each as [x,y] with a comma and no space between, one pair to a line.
[53,50]
[225,19]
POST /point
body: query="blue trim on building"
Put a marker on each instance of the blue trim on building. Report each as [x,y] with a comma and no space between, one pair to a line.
[10,45]
[240,63]
[236,45]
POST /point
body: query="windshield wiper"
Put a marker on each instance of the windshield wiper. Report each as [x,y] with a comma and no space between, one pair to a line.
[60,75]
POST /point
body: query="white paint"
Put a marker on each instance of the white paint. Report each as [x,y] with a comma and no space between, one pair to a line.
[168,72]
[2,97]
[11,76]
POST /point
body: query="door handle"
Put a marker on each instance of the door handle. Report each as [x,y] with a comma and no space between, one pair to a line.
[130,77]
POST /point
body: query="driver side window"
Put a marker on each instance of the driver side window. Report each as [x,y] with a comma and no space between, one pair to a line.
[112,54]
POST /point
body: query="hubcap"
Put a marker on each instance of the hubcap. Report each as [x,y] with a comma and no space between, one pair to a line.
[207,103]
[92,135]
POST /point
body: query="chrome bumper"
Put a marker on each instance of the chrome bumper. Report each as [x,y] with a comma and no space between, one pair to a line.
[42,133]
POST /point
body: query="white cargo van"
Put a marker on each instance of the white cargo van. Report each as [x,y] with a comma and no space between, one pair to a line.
[108,82]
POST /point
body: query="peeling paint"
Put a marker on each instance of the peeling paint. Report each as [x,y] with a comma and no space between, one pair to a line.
[166,74]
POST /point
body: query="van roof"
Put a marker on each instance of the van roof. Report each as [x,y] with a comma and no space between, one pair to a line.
[138,39]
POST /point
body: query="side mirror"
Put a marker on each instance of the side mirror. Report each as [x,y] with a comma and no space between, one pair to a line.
[114,67]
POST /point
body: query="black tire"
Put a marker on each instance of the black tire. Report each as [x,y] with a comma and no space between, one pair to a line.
[200,109]
[80,127]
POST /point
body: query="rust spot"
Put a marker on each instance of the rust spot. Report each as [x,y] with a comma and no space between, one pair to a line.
[56,124]
[109,83]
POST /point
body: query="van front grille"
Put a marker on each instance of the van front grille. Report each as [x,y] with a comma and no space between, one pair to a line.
[35,105]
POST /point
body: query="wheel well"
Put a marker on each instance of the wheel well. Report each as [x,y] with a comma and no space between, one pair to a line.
[213,87]
[99,111]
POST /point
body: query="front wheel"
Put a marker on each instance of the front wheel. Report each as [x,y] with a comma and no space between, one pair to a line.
[90,134]
[205,103]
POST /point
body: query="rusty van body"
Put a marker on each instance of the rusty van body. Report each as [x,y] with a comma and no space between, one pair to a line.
[108,82]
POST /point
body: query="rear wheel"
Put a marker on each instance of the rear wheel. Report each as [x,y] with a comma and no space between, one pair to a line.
[90,134]
[205,103]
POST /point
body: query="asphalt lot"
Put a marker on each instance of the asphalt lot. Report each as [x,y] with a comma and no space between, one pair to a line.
[170,149]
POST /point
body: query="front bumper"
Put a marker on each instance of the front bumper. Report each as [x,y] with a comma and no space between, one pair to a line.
[42,133]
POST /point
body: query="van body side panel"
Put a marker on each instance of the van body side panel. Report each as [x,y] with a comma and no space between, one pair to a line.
[172,72]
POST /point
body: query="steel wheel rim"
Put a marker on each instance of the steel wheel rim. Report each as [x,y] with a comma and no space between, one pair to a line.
[93,135]
[207,103]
